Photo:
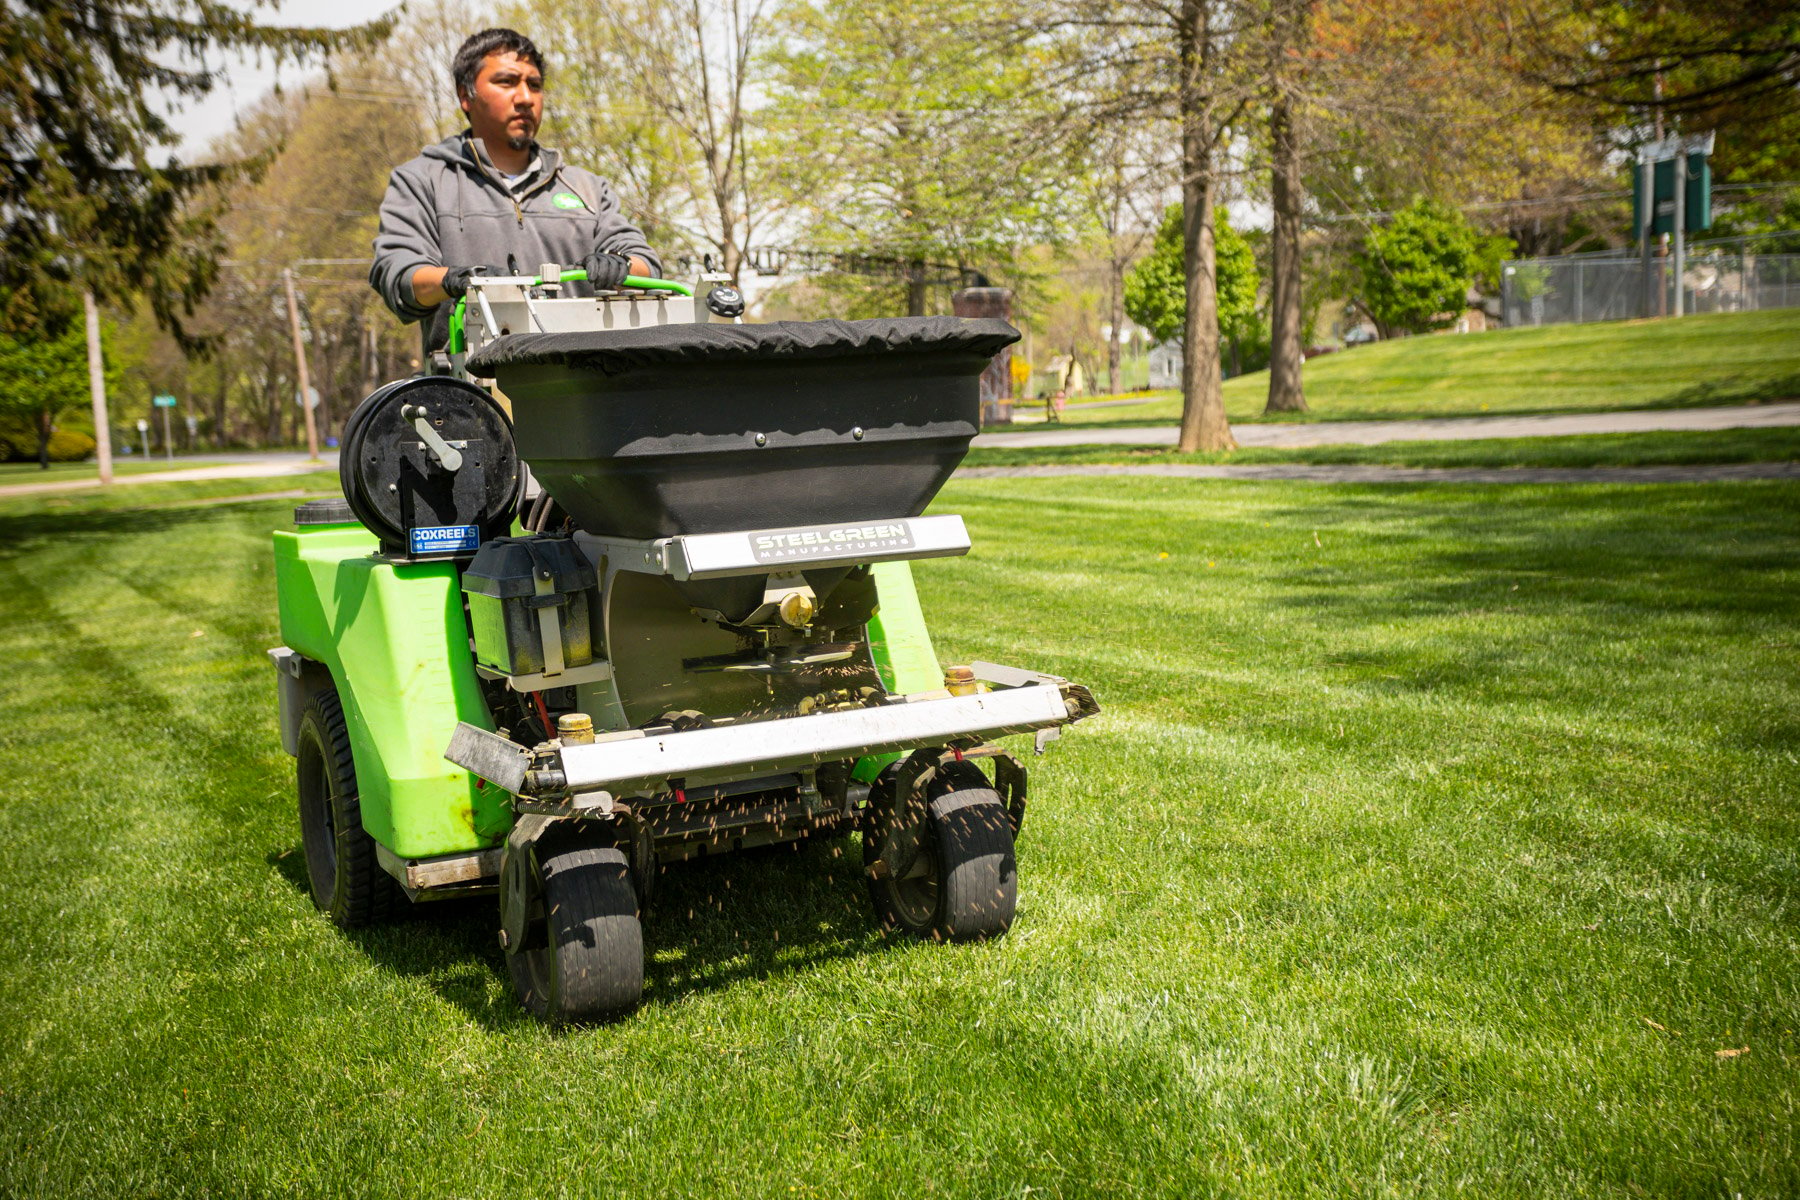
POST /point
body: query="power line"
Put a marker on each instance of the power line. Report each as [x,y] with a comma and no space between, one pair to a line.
[1541,202]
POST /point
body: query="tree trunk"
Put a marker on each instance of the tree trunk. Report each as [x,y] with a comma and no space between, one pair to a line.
[371,357]
[220,392]
[273,385]
[43,437]
[1286,393]
[915,288]
[1203,424]
[1115,315]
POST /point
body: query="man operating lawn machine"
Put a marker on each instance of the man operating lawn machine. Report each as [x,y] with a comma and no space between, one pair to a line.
[699,636]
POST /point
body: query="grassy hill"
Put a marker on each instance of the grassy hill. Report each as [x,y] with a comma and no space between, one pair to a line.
[1727,358]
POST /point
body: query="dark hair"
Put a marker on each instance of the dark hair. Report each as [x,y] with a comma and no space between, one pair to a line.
[467,63]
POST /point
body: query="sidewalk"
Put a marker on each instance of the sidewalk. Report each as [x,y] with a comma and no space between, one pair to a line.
[264,466]
[1370,433]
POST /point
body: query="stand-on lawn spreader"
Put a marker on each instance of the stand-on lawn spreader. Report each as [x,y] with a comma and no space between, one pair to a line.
[705,637]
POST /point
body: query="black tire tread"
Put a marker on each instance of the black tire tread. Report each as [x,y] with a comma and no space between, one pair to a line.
[596,938]
[977,872]
[363,894]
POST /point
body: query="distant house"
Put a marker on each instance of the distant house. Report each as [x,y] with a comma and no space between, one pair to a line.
[1165,364]
[1069,378]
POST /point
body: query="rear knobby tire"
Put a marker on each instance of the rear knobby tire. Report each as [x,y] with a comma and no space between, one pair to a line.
[964,885]
[586,963]
[348,883]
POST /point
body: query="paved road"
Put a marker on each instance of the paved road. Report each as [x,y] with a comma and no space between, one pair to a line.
[1363,474]
[1370,433]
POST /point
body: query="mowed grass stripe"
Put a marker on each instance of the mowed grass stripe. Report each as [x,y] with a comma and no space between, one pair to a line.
[192,798]
[1305,912]
[1560,820]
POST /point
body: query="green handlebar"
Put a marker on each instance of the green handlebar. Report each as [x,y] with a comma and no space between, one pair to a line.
[457,344]
[640,282]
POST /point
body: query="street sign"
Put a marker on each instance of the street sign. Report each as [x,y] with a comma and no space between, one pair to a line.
[1660,157]
[143,425]
[164,402]
[312,397]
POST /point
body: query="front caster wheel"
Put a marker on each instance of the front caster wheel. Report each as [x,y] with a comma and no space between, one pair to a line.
[583,956]
[949,873]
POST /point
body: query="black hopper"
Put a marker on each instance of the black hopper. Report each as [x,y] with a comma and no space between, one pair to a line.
[706,428]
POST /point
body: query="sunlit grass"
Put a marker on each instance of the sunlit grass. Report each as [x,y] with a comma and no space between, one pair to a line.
[1433,841]
[1725,358]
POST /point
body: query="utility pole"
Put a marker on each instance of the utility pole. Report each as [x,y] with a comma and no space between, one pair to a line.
[303,375]
[97,387]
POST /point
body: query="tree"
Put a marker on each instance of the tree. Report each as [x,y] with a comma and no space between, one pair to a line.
[1416,270]
[1292,31]
[686,152]
[1650,66]
[933,141]
[266,232]
[84,201]
[415,60]
[41,373]
[1156,294]
[1186,63]
[1664,56]
[311,207]
[1423,97]
[1127,181]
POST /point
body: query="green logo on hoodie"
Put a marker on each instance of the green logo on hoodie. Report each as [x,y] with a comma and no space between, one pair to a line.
[567,200]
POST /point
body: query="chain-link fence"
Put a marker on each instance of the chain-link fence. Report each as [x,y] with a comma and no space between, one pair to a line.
[1576,288]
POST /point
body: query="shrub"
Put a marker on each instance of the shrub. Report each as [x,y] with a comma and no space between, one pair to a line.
[68,445]
[1415,271]
[1156,288]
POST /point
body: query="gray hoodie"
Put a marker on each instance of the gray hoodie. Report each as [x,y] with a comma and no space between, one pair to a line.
[449,207]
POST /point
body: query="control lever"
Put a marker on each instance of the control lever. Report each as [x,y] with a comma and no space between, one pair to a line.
[448,456]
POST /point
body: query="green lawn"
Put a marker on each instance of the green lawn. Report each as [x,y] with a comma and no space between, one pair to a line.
[1433,841]
[1585,450]
[1729,358]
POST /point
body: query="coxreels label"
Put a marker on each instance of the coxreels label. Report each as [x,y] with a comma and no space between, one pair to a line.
[443,539]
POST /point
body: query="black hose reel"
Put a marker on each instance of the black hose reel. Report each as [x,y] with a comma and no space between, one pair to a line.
[429,467]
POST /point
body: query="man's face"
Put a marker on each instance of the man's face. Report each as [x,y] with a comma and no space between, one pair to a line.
[507,103]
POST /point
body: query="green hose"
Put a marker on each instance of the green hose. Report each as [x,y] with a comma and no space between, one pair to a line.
[458,344]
